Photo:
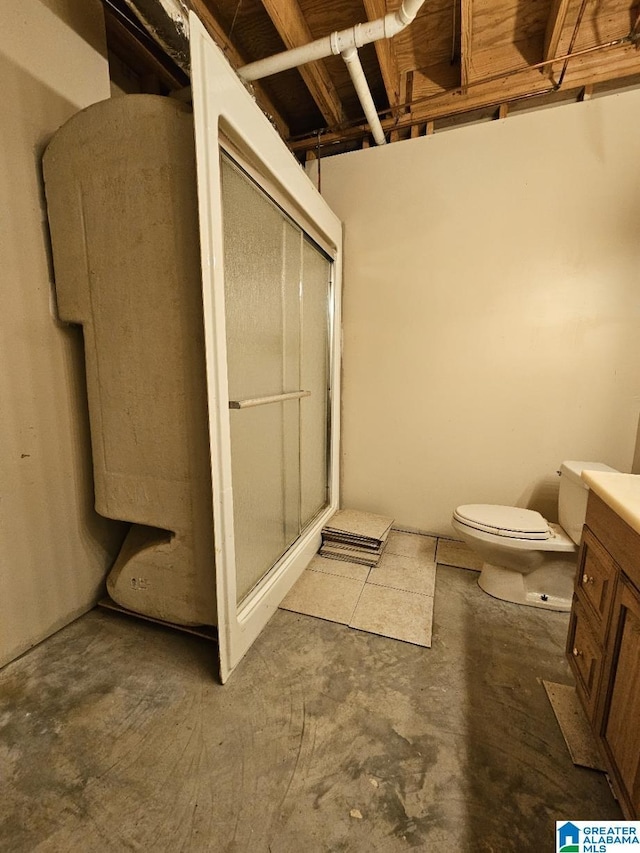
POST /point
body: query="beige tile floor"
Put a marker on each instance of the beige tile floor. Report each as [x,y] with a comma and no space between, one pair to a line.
[453,553]
[394,599]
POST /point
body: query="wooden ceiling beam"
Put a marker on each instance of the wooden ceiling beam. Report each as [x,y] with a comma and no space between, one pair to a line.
[386,53]
[217,33]
[481,94]
[440,106]
[599,67]
[621,63]
[290,22]
[466,21]
[555,26]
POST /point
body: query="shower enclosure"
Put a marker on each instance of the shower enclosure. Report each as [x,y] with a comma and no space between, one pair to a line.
[271,259]
[278,300]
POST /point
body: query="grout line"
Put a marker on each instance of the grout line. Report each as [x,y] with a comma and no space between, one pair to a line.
[401,589]
[358,601]
[415,532]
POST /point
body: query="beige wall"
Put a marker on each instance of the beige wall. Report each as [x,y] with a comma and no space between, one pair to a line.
[491,309]
[54,549]
[635,467]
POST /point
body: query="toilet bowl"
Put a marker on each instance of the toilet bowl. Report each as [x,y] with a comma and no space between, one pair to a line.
[528,560]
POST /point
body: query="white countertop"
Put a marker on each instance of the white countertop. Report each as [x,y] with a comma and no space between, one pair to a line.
[619,491]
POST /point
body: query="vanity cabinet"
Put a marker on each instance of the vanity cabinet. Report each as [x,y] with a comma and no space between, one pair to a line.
[603,645]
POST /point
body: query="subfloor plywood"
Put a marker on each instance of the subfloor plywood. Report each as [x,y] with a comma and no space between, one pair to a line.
[573,725]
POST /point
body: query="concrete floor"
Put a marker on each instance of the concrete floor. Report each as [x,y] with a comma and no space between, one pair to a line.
[114,736]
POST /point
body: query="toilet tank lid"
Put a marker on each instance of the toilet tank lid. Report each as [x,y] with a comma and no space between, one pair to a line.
[509,520]
[573,470]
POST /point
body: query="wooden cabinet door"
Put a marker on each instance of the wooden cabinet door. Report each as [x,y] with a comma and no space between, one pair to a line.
[595,581]
[585,657]
[621,721]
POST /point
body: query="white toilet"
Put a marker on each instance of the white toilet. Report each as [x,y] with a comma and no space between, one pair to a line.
[528,560]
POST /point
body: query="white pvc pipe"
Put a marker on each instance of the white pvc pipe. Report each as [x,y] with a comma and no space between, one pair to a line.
[337,42]
[356,71]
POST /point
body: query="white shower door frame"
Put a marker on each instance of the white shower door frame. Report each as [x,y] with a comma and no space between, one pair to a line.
[223,107]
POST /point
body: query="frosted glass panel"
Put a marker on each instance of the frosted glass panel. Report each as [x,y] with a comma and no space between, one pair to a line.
[316,277]
[253,263]
[276,292]
[258,470]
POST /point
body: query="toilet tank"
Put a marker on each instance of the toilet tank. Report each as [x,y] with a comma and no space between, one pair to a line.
[572,498]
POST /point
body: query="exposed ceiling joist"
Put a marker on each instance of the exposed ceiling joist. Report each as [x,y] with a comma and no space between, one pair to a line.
[459,59]
[466,25]
[597,64]
[589,69]
[492,91]
[292,27]
[555,25]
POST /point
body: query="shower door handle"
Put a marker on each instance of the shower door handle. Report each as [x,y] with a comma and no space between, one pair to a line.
[263,401]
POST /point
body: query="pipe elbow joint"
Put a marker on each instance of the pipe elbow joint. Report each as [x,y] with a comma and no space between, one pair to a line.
[408,11]
[392,24]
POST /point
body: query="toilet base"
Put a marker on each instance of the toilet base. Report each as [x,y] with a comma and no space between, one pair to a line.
[550,587]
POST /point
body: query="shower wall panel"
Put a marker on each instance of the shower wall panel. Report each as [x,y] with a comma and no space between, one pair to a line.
[121,194]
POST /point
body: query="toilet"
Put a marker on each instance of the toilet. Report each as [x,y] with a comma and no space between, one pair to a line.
[528,560]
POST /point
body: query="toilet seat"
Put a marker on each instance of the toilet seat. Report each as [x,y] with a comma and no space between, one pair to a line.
[508,521]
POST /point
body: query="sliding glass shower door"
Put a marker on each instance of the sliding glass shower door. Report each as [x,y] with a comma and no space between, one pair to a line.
[271,270]
[277,295]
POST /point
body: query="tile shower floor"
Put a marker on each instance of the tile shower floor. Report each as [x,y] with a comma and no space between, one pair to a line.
[394,599]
